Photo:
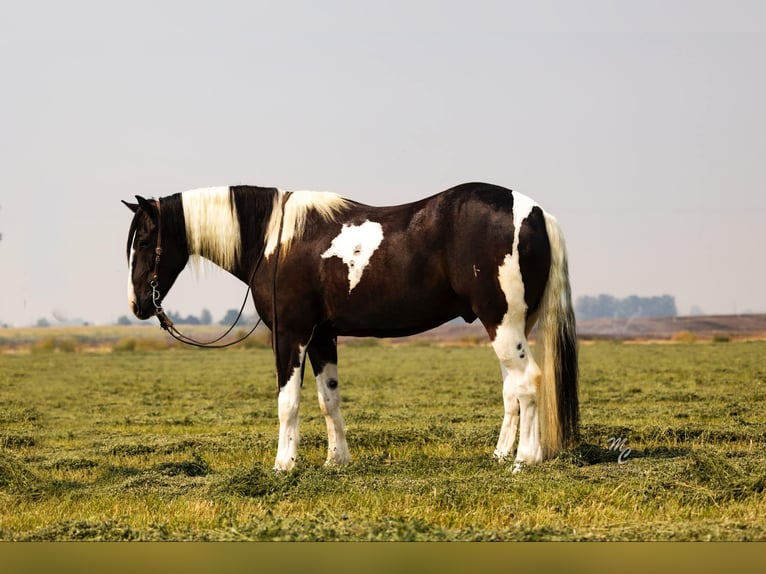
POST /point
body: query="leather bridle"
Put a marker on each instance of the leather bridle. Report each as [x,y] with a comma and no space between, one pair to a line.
[167,324]
[153,278]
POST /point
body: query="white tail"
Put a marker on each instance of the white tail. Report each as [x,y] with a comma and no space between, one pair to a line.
[557,339]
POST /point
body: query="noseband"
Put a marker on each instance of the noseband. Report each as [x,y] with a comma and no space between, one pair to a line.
[168,325]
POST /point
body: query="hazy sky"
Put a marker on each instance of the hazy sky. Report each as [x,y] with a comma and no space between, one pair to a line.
[640,125]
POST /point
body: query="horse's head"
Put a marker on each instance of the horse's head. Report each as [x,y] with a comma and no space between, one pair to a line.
[156,252]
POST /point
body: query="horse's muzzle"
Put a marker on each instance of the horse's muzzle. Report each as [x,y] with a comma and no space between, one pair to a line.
[144,310]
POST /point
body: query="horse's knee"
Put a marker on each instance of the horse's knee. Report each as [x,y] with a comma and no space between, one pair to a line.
[288,407]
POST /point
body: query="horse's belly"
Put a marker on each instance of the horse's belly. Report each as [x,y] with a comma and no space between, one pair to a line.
[396,318]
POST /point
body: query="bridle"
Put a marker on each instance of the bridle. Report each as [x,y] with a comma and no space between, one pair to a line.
[167,324]
[156,296]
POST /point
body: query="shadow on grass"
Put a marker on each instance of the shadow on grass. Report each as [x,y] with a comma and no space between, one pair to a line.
[587,454]
[191,468]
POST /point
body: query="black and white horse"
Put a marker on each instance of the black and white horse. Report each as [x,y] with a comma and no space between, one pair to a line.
[344,268]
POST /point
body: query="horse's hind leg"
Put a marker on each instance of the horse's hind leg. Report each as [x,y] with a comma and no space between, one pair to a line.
[323,353]
[521,381]
[510,426]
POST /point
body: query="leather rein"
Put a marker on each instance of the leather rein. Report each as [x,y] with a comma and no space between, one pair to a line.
[167,324]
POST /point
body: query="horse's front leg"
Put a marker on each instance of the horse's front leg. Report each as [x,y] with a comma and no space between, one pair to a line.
[290,357]
[323,353]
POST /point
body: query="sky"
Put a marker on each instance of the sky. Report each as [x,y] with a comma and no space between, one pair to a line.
[640,125]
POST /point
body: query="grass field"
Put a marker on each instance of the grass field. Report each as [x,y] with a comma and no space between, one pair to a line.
[179,445]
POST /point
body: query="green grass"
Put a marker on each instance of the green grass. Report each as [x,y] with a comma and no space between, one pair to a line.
[179,445]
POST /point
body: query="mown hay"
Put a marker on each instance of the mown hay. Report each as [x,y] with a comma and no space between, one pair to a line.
[16,478]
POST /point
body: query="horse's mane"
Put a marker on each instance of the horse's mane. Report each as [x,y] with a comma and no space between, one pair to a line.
[298,208]
[214,227]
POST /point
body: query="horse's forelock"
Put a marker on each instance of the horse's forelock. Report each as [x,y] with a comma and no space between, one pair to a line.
[132,234]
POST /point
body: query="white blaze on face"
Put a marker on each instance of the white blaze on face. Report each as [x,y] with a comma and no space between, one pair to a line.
[131,290]
[355,245]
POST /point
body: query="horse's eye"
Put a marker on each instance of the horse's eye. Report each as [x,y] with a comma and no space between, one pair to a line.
[143,244]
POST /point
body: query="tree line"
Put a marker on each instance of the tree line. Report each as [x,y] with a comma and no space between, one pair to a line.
[608,306]
[204,318]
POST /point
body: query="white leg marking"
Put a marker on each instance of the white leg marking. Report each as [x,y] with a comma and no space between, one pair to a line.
[355,245]
[510,427]
[329,404]
[288,405]
[521,375]
[530,448]
[521,379]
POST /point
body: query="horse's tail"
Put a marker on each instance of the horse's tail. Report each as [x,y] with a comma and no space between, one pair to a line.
[559,413]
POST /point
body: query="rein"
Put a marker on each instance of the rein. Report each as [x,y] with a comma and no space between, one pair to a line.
[167,324]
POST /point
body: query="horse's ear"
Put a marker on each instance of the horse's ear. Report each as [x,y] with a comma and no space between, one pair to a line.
[149,207]
[131,206]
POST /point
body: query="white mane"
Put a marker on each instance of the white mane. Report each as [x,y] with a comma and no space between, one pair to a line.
[296,211]
[212,226]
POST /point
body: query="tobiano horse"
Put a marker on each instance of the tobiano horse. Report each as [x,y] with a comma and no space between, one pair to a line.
[322,266]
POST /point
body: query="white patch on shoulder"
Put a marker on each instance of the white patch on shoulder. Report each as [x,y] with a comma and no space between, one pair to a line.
[355,245]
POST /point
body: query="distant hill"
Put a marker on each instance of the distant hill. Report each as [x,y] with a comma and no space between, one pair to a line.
[703,326]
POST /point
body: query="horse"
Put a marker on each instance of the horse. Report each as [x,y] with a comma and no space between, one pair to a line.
[322,266]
